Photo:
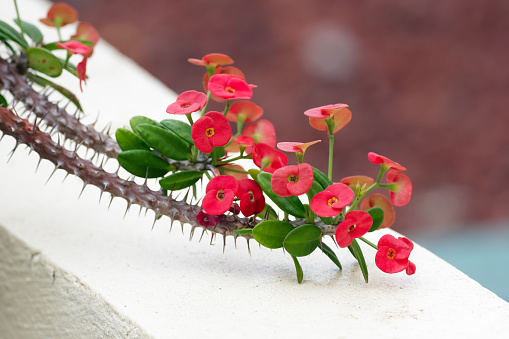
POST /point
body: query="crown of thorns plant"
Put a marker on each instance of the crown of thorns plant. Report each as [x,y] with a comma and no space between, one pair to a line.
[279,206]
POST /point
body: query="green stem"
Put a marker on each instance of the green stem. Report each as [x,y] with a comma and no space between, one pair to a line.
[369,243]
[381,172]
[58,32]
[190,119]
[19,17]
[234,170]
[206,104]
[331,152]
[233,159]
[227,107]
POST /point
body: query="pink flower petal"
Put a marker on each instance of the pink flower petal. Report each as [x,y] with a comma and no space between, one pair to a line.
[379,159]
[403,193]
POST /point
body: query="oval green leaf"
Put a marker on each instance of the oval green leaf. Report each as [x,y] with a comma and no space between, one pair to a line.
[268,213]
[179,128]
[138,120]
[164,141]
[321,178]
[7,32]
[127,140]
[32,31]
[272,233]
[303,240]
[377,214]
[3,102]
[291,205]
[43,61]
[144,164]
[180,180]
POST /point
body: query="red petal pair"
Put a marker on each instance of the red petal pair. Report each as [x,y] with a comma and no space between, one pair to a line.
[211,130]
[356,224]
[292,180]
[330,202]
[219,194]
[188,102]
[230,87]
[392,255]
[267,158]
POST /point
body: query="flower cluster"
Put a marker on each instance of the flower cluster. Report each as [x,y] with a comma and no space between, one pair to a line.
[312,204]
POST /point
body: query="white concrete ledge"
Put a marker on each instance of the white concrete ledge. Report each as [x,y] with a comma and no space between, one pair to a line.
[71,268]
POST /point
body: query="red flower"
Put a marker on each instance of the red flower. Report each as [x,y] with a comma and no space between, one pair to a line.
[74,47]
[402,191]
[378,200]
[354,180]
[82,71]
[341,116]
[205,219]
[251,197]
[211,130]
[245,111]
[219,194]
[59,15]
[330,202]
[299,147]
[355,225]
[86,31]
[292,180]
[388,163]
[392,255]
[221,70]
[230,87]
[262,131]
[244,141]
[267,158]
[212,60]
[188,102]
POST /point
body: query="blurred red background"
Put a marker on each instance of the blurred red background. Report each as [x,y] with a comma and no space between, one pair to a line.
[426,81]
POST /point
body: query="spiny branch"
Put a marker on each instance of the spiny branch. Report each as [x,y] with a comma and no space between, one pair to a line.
[53,115]
[25,132]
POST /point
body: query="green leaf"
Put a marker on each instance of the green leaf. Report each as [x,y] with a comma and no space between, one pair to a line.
[43,82]
[298,269]
[43,61]
[164,141]
[180,128]
[53,45]
[272,233]
[268,213]
[137,161]
[3,101]
[7,32]
[180,180]
[321,178]
[377,214]
[330,253]
[244,231]
[291,205]
[357,252]
[127,140]
[138,120]
[32,31]
[303,240]
[253,172]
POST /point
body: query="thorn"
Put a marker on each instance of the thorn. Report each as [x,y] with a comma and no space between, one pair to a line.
[182,226]
[171,223]
[248,248]
[38,163]
[84,185]
[141,209]
[202,233]
[155,219]
[191,234]
[100,196]
[128,208]
[212,236]
[235,236]
[56,167]
[334,240]
[66,175]
[53,127]
[224,240]
[111,200]
[13,150]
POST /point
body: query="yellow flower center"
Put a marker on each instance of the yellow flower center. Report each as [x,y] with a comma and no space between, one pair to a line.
[229,90]
[220,195]
[209,132]
[185,106]
[332,201]
[351,228]
[293,178]
[391,253]
[251,196]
